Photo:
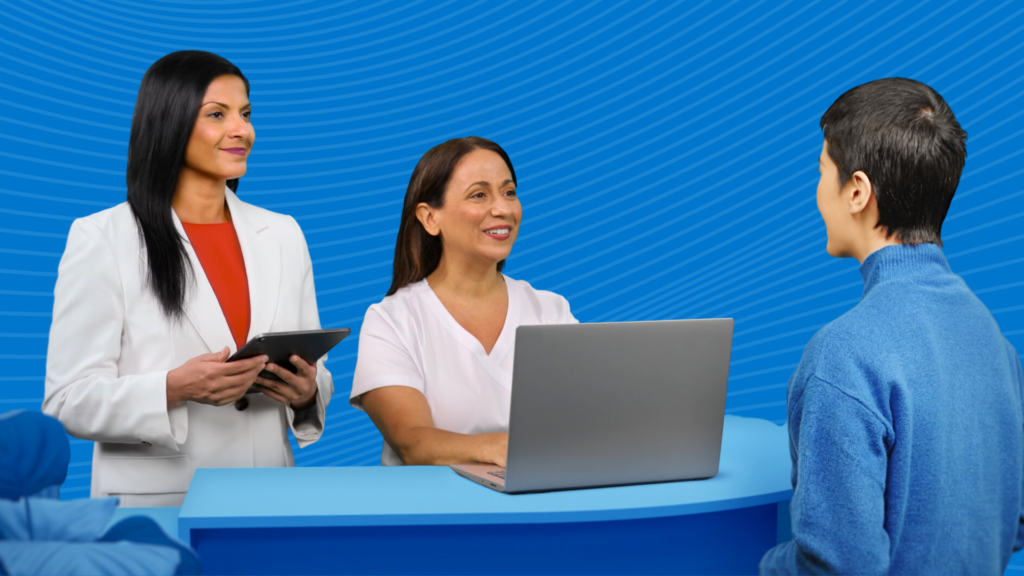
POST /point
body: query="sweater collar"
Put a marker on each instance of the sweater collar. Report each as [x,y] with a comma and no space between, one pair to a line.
[902,261]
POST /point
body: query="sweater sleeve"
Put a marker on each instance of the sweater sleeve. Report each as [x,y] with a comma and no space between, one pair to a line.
[1018,372]
[840,461]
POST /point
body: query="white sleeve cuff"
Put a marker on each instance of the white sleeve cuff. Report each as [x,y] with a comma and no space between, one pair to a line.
[174,429]
[308,424]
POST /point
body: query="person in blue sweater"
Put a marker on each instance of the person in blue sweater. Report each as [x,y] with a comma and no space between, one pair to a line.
[905,414]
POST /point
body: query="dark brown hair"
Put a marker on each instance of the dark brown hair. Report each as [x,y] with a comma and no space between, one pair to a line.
[904,136]
[417,253]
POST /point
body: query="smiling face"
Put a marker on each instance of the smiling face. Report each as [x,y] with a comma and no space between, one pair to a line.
[481,213]
[222,136]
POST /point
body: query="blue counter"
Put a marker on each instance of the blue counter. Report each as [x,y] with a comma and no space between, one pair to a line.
[428,520]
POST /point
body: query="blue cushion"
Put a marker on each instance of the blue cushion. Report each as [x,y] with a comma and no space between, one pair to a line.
[35,451]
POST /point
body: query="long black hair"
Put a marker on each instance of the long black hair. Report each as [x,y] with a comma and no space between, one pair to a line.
[417,253]
[169,99]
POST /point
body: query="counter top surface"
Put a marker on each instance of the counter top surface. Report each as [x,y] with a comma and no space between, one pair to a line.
[754,470]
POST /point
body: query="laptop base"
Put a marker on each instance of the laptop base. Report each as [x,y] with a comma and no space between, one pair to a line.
[479,473]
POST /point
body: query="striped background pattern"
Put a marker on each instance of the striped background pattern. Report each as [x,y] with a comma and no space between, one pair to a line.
[667,153]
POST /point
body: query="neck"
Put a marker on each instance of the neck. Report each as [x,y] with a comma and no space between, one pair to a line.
[467,278]
[873,244]
[868,237]
[199,199]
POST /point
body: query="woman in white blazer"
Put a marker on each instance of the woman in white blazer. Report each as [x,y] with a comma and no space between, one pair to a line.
[153,295]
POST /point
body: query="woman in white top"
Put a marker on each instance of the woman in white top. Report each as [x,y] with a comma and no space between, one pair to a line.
[435,356]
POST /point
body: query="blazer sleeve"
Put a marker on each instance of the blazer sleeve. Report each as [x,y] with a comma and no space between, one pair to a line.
[83,388]
[308,425]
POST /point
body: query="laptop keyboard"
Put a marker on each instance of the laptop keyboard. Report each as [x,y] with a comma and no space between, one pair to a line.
[498,473]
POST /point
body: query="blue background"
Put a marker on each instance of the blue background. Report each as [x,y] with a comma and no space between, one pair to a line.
[666,153]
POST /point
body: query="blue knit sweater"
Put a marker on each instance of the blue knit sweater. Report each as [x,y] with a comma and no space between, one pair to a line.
[906,431]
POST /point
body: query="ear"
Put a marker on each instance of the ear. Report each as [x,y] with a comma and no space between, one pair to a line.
[859,191]
[428,218]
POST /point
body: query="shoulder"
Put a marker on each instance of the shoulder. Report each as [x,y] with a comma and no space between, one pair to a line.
[281,224]
[548,305]
[853,337]
[282,229]
[827,354]
[398,312]
[115,226]
[115,217]
[848,356]
[402,302]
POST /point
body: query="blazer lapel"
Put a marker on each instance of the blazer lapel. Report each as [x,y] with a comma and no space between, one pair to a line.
[262,255]
[202,307]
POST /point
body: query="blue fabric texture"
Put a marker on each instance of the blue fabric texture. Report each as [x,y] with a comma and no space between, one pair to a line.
[35,452]
[39,536]
[906,431]
[61,521]
[143,530]
[106,558]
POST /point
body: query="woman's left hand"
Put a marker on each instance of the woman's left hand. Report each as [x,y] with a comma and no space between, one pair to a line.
[297,389]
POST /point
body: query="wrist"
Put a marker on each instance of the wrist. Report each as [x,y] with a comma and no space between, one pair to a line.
[302,405]
[173,388]
[488,448]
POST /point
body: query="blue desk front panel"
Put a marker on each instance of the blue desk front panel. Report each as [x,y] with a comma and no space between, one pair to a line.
[727,542]
[168,520]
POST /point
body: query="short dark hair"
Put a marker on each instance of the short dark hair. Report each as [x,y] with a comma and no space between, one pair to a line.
[170,96]
[903,135]
[417,253]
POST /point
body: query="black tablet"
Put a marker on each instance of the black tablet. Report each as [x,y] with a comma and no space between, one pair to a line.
[310,345]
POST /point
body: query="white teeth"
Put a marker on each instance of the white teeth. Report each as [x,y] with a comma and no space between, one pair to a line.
[497,231]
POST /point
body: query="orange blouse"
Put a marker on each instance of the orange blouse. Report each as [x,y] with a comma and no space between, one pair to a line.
[220,254]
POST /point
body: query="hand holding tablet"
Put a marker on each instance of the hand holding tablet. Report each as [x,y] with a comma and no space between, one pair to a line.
[279,347]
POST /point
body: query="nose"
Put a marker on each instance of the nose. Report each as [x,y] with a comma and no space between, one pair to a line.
[239,129]
[501,207]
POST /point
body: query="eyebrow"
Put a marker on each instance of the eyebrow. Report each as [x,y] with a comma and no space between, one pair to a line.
[223,105]
[485,183]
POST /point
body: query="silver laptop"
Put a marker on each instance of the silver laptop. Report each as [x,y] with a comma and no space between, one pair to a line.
[612,404]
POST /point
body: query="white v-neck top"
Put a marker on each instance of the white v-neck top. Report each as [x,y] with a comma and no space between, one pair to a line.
[410,339]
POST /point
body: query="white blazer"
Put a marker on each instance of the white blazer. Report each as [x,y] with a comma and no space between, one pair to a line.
[111,347]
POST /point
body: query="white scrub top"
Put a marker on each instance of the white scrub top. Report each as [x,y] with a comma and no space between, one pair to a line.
[410,339]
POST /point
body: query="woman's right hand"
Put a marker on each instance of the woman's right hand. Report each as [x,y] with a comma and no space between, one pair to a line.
[210,379]
[495,449]
[403,417]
